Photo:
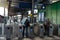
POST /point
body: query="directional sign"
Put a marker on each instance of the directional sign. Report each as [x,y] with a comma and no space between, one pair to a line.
[25,5]
[35,0]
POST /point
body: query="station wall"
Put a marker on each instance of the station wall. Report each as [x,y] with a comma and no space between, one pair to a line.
[4,3]
[53,12]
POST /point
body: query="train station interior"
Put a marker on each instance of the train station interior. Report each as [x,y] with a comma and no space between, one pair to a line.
[29,19]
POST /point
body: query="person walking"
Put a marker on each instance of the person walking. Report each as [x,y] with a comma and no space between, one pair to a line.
[25,22]
[46,26]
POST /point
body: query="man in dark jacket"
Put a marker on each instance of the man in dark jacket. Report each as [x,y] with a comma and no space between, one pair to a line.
[47,25]
[27,24]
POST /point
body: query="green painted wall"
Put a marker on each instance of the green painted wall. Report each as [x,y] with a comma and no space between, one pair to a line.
[53,12]
[58,14]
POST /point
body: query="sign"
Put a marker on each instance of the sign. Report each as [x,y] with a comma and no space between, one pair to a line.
[41,16]
[25,5]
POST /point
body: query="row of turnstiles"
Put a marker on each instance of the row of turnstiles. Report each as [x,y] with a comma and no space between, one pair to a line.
[15,32]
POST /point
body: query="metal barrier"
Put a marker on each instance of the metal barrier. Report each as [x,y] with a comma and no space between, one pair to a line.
[36,31]
[59,30]
[55,31]
[41,29]
[8,31]
[51,30]
[2,38]
[31,32]
[20,32]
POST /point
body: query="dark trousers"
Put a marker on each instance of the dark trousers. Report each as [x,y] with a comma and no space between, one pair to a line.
[25,29]
[47,32]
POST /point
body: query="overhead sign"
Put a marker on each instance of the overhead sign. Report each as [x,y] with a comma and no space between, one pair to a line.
[25,5]
[35,0]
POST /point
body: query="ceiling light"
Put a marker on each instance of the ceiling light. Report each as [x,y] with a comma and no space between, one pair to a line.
[54,1]
[12,5]
[18,15]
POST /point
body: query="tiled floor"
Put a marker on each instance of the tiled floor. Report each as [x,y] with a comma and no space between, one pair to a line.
[26,39]
[45,38]
[38,38]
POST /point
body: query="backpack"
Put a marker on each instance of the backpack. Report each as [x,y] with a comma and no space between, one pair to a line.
[27,23]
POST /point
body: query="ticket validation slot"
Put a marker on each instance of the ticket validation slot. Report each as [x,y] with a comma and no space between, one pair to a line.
[31,32]
[31,29]
[20,32]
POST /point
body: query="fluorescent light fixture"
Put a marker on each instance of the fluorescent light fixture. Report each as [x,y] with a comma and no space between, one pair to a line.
[12,5]
[14,16]
[54,1]
[19,15]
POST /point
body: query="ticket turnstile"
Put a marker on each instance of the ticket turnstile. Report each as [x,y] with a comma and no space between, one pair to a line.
[2,36]
[41,34]
[36,31]
[20,32]
[51,30]
[59,30]
[8,32]
[31,32]
[0,30]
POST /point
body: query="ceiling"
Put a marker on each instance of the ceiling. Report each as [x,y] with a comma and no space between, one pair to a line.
[14,2]
[47,1]
[52,1]
[30,1]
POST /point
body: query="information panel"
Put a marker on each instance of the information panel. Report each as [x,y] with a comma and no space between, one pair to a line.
[41,16]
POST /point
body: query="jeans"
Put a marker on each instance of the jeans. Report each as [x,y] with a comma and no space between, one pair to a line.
[25,29]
